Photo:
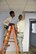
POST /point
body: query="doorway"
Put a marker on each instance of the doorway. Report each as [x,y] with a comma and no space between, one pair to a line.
[33,34]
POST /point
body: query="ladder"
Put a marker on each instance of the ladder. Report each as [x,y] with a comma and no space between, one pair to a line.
[7,37]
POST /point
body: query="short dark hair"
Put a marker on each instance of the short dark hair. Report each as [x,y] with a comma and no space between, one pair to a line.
[11,12]
[20,17]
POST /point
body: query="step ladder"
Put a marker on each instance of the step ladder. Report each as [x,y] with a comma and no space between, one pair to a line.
[11,28]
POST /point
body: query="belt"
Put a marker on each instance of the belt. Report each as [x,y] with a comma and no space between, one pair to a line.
[19,32]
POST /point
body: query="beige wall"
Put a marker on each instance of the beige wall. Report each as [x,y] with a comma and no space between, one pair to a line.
[27,5]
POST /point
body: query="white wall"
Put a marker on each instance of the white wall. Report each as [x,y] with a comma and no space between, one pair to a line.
[3,15]
[26,33]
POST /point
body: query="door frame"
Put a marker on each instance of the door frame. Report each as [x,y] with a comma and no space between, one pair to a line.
[30,21]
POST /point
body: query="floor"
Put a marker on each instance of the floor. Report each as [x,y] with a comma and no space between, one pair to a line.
[22,53]
[32,51]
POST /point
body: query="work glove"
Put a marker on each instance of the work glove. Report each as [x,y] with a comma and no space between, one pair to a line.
[6,27]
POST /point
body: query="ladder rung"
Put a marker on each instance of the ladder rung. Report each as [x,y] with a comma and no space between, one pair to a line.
[10,41]
[11,38]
